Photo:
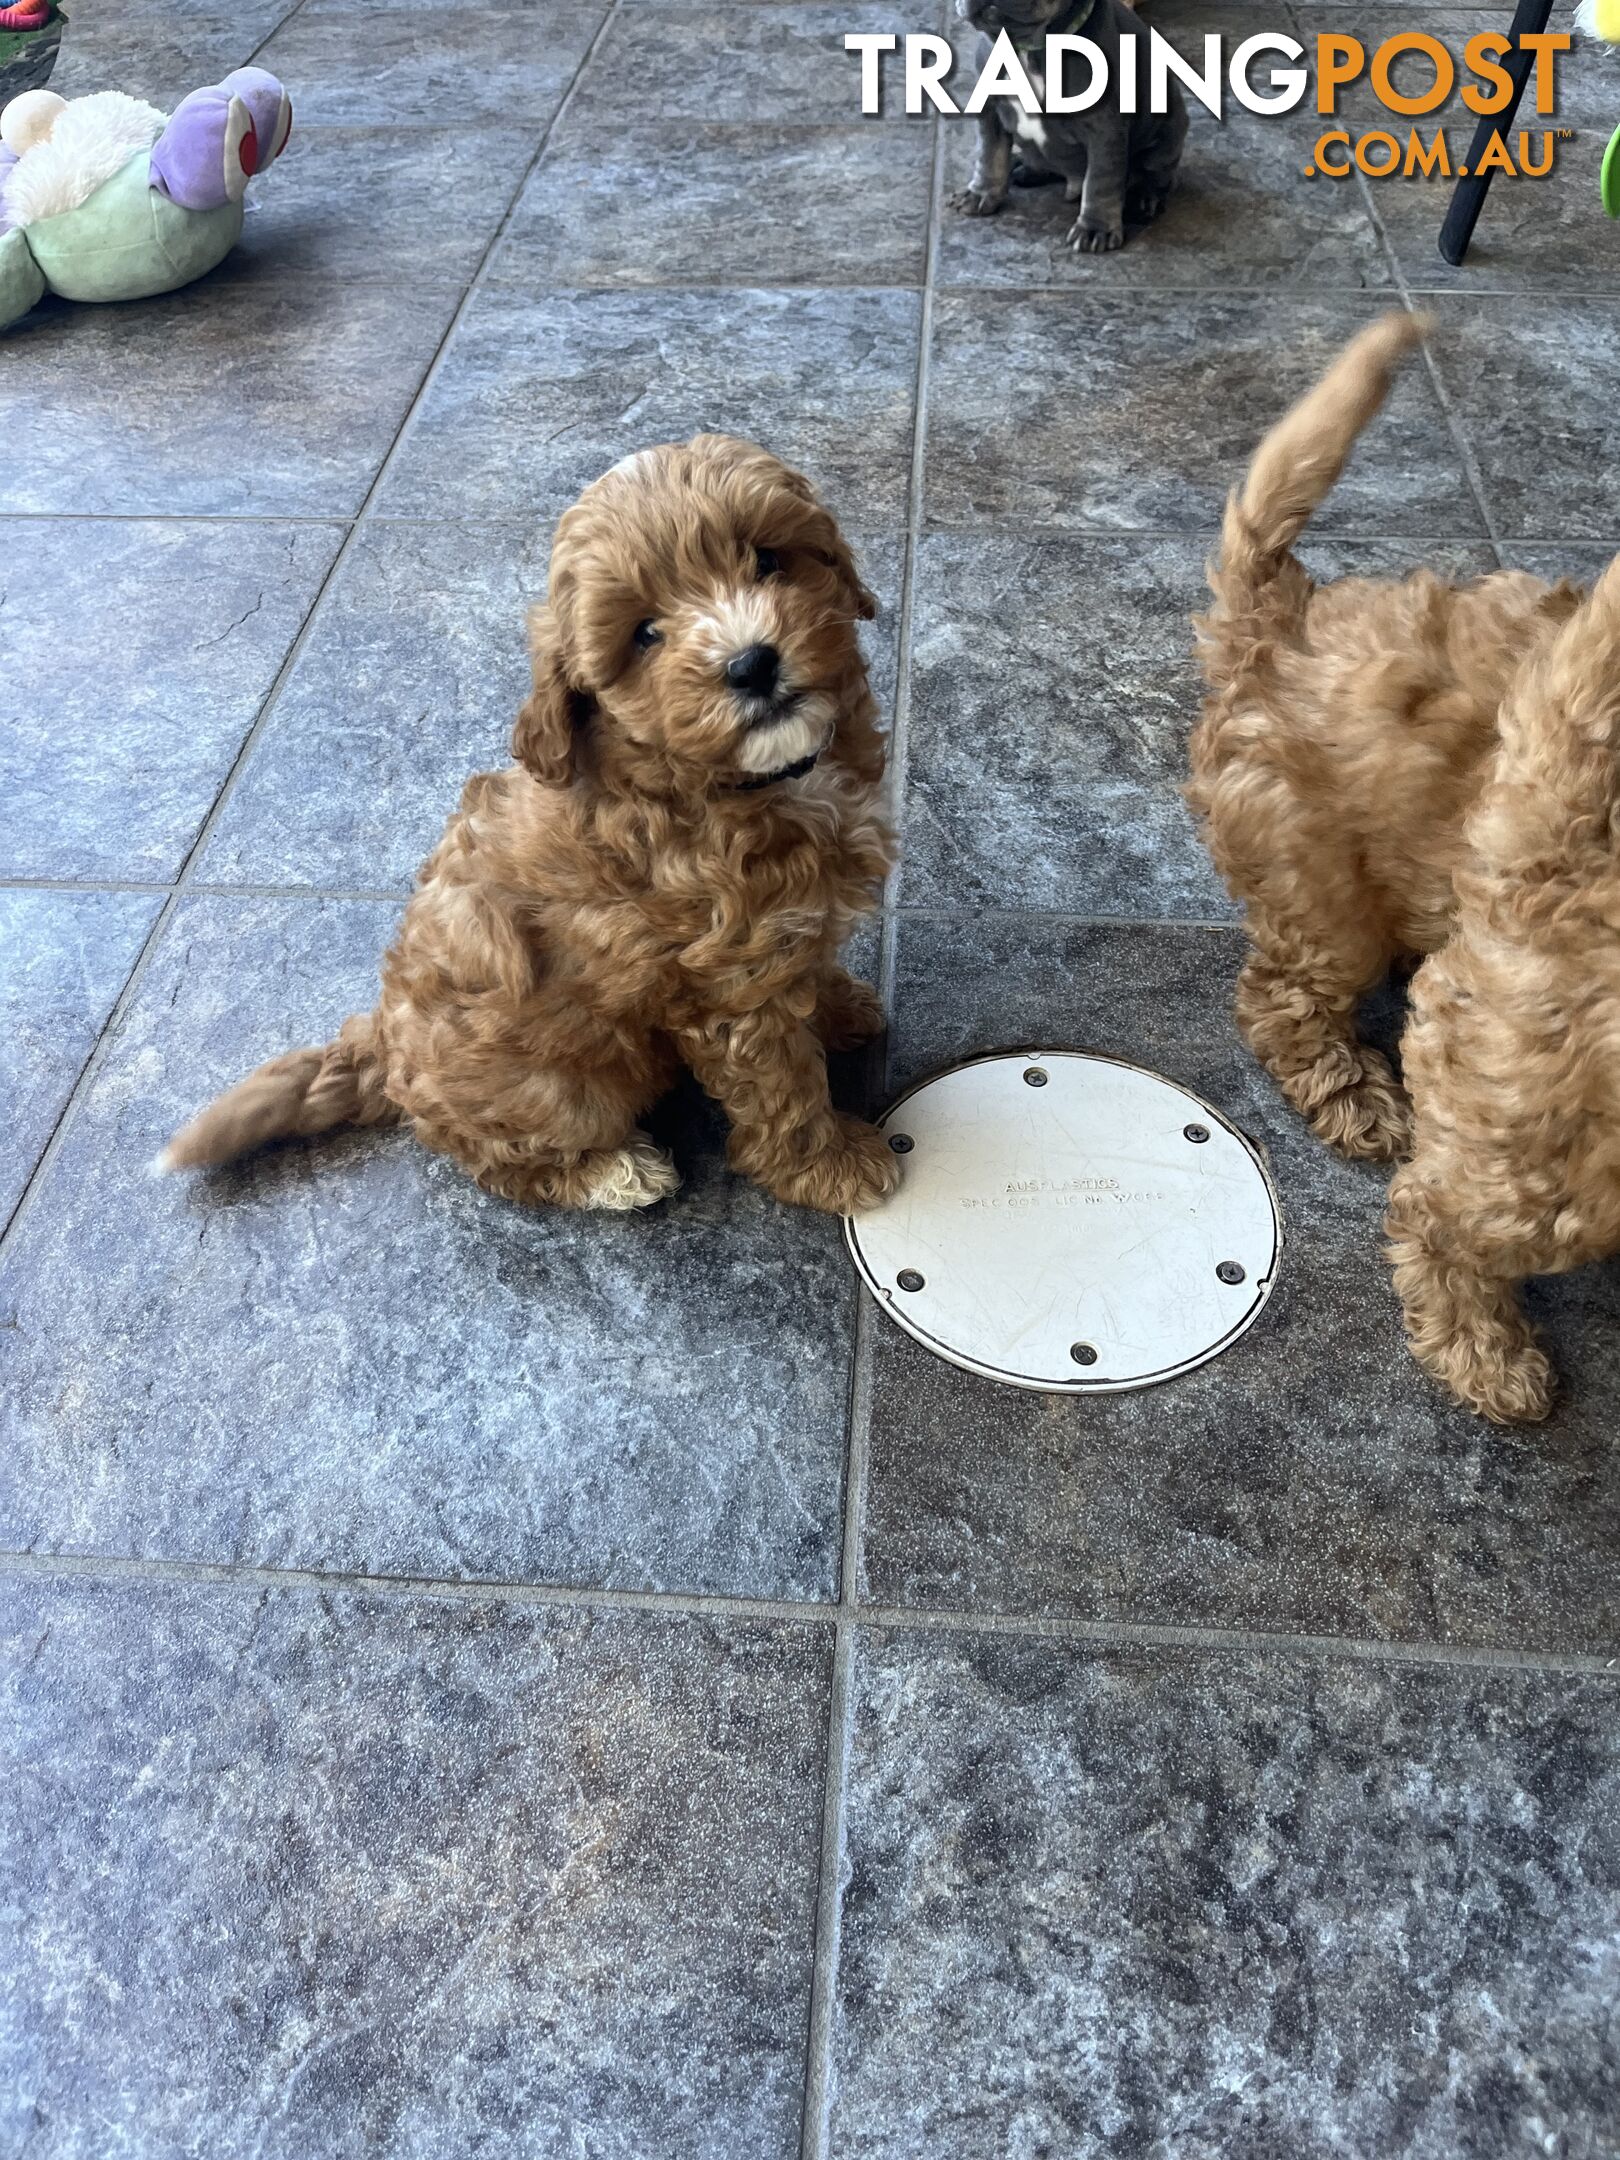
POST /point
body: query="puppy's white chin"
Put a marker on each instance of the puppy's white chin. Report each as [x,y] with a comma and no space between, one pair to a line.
[801,733]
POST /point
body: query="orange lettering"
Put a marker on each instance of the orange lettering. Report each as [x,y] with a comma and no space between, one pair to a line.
[1478,54]
[1339,60]
[1445,72]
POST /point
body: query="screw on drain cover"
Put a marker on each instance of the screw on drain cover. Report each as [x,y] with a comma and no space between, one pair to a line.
[1005,1231]
[1195,1133]
[1229,1271]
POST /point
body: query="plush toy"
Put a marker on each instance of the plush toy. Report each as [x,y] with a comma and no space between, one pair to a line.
[1601,19]
[104,199]
[30,38]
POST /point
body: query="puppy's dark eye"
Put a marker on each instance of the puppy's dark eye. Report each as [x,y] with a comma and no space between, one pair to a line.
[766,563]
[646,633]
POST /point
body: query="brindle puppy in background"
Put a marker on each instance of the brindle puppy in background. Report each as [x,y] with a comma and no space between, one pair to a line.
[1118,166]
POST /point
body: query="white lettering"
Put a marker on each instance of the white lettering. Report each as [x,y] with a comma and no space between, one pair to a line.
[1287,83]
[1003,76]
[869,43]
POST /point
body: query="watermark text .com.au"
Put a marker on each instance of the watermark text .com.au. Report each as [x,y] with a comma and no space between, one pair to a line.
[1410,73]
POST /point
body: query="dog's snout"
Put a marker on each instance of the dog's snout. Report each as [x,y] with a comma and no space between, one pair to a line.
[755,669]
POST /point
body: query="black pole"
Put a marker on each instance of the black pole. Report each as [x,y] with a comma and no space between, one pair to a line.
[1468,197]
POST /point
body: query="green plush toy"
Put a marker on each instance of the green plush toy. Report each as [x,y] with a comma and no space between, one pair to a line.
[104,198]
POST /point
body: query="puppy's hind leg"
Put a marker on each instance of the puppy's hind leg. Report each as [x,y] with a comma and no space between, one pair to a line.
[1460,1302]
[1318,946]
[545,1137]
[1296,1005]
[1484,1200]
[635,1173]
[1318,942]
[1503,1183]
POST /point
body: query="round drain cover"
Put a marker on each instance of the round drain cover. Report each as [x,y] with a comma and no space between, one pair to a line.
[1070,1222]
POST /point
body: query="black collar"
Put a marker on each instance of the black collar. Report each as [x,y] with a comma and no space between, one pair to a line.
[795,771]
[1071,22]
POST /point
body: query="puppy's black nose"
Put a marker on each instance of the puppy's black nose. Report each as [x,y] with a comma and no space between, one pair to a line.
[755,669]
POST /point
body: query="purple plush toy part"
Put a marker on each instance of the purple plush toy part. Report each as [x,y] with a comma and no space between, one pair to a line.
[217,139]
[269,105]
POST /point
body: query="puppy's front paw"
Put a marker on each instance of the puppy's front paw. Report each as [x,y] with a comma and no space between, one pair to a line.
[859,1170]
[1092,239]
[976,202]
[1499,1372]
[1520,1391]
[1369,1119]
[1146,204]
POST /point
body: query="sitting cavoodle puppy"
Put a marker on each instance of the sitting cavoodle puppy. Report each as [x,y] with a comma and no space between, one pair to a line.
[1513,1049]
[1410,768]
[1118,166]
[665,876]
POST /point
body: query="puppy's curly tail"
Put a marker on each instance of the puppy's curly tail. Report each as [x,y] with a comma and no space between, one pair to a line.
[308,1091]
[1549,823]
[1259,588]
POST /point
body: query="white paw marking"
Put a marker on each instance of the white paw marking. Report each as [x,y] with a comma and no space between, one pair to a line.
[636,1175]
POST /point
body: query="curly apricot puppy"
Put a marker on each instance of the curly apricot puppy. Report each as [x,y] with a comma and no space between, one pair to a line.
[1417,768]
[1347,734]
[666,875]
[1512,1054]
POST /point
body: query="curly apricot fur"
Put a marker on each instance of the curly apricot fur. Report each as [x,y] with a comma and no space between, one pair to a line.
[1419,768]
[620,901]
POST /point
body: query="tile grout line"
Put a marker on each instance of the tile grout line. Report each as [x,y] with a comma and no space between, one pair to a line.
[173,896]
[202,888]
[1460,441]
[722,1607]
[922,911]
[355,526]
[475,282]
[816,2116]
[827,1939]
[957,911]
[900,731]
[297,8]
[956,289]
[397,895]
[989,528]
[174,517]
[888,964]
[120,1004]
[828,1935]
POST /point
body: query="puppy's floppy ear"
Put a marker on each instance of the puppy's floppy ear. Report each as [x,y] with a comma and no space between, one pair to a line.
[804,520]
[834,549]
[819,533]
[543,736]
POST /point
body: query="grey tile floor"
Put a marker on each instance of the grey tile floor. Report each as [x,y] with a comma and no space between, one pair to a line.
[490,1684]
